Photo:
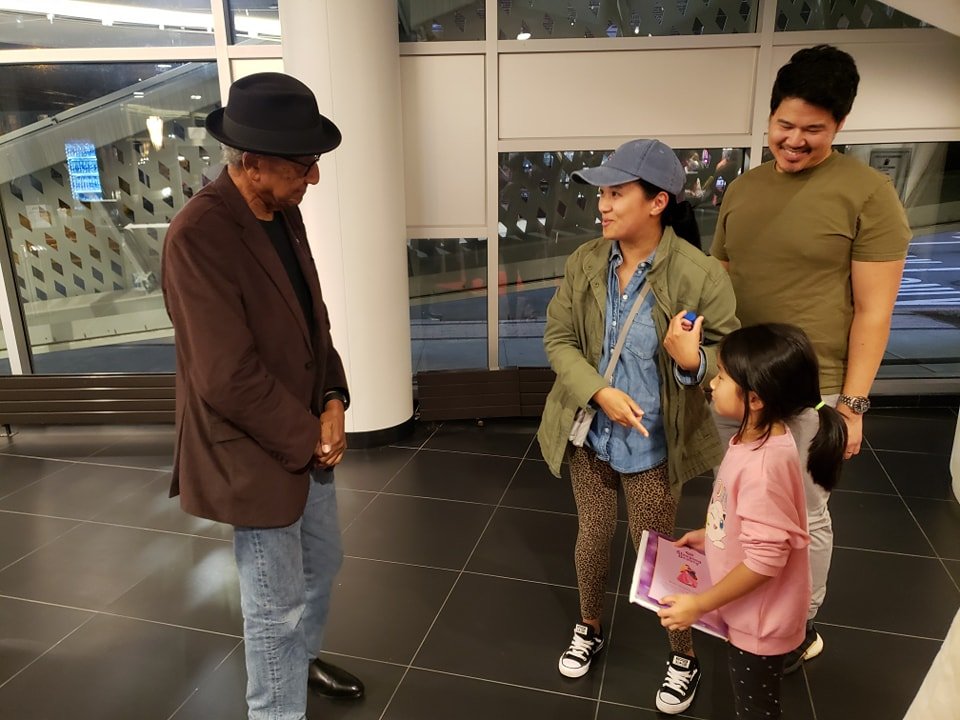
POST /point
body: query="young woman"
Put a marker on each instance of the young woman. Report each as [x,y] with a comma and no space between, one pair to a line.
[757,546]
[652,428]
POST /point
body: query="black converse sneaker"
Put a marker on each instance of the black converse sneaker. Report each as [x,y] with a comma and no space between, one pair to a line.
[586,643]
[811,646]
[679,685]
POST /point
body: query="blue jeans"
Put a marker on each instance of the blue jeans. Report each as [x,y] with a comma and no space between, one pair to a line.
[285,580]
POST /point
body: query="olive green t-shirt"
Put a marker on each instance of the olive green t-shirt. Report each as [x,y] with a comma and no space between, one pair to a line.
[790,239]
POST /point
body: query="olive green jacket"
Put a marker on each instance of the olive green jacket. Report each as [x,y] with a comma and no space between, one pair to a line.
[682,278]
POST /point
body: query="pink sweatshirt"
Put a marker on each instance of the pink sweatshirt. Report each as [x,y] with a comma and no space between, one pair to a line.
[757,515]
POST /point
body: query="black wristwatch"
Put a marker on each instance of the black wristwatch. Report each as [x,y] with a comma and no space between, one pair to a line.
[336,395]
[857,403]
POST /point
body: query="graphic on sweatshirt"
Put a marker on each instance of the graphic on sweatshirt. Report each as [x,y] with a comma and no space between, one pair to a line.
[716,515]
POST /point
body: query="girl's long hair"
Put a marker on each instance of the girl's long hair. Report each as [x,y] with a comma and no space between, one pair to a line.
[678,215]
[778,363]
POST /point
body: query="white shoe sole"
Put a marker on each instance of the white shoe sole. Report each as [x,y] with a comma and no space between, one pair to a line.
[670,709]
[816,647]
[572,672]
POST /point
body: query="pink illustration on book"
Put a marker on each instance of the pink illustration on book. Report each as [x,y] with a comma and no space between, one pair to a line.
[687,576]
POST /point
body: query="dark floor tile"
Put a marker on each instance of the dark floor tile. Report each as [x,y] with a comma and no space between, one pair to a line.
[61,442]
[79,492]
[953,567]
[892,583]
[197,587]
[692,510]
[17,472]
[539,546]
[438,533]
[508,631]
[150,506]
[879,685]
[371,469]
[454,476]
[940,520]
[864,520]
[425,694]
[506,437]
[30,629]
[918,474]
[381,610]
[422,431]
[142,452]
[914,431]
[864,473]
[222,696]
[535,487]
[350,503]
[636,661]
[115,669]
[909,414]
[21,534]
[609,711]
[90,566]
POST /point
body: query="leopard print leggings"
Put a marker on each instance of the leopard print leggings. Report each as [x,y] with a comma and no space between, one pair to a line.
[650,506]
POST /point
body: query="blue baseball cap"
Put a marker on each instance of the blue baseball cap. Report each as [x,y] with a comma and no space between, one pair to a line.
[648,160]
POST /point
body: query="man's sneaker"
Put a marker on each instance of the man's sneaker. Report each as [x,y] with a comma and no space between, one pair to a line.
[680,684]
[586,643]
[811,646]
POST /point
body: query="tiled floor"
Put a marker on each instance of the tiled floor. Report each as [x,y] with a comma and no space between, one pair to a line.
[458,592]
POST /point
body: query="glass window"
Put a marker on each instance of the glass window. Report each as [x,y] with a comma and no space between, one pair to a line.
[544,216]
[87,200]
[424,21]
[843,15]
[448,303]
[254,22]
[545,19]
[132,23]
[4,355]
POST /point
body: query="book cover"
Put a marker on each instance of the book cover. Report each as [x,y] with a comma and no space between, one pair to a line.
[664,569]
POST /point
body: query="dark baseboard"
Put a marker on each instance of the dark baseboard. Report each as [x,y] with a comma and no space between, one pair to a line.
[379,438]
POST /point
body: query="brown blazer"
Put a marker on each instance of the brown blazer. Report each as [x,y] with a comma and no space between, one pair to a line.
[249,378]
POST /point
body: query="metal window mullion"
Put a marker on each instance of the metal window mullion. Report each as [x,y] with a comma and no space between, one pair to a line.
[763,79]
[492,88]
[221,40]
[11,310]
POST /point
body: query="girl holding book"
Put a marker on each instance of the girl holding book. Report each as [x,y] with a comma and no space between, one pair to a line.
[756,543]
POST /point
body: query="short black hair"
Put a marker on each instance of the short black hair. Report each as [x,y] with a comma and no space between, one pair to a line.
[823,76]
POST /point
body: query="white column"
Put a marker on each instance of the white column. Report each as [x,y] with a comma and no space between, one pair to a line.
[348,53]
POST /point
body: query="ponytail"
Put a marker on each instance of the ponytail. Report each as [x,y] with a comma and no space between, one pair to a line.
[827,447]
[678,215]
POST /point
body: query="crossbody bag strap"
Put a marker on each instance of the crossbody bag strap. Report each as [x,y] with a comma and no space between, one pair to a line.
[618,348]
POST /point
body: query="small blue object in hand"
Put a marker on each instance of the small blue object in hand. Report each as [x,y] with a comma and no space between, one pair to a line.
[691,316]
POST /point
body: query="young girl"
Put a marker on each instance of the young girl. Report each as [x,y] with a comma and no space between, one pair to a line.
[756,542]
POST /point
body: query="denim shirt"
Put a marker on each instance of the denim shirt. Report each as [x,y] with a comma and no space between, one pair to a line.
[636,374]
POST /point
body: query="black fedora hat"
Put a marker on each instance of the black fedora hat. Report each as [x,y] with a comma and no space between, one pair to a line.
[273,114]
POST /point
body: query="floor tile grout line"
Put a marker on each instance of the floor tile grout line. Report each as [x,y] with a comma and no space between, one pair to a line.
[91,521]
[85,462]
[450,592]
[613,619]
[133,618]
[877,631]
[40,547]
[196,690]
[467,452]
[926,537]
[44,653]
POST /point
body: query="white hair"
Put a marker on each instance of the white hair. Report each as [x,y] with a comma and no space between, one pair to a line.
[231,156]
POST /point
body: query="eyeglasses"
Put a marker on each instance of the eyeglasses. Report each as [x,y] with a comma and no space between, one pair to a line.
[307,166]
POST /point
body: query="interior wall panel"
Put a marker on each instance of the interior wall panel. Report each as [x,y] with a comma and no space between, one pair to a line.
[443,139]
[627,93]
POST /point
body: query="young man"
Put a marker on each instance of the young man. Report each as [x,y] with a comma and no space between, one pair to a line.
[817,239]
[261,391]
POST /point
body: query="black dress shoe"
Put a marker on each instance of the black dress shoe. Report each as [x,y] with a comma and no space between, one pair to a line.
[333,682]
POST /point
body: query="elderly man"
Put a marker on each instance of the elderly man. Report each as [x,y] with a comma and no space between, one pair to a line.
[261,391]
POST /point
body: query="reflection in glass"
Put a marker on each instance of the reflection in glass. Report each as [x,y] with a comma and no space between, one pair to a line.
[421,21]
[4,355]
[254,22]
[843,15]
[546,19]
[448,303]
[545,215]
[87,261]
[133,23]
